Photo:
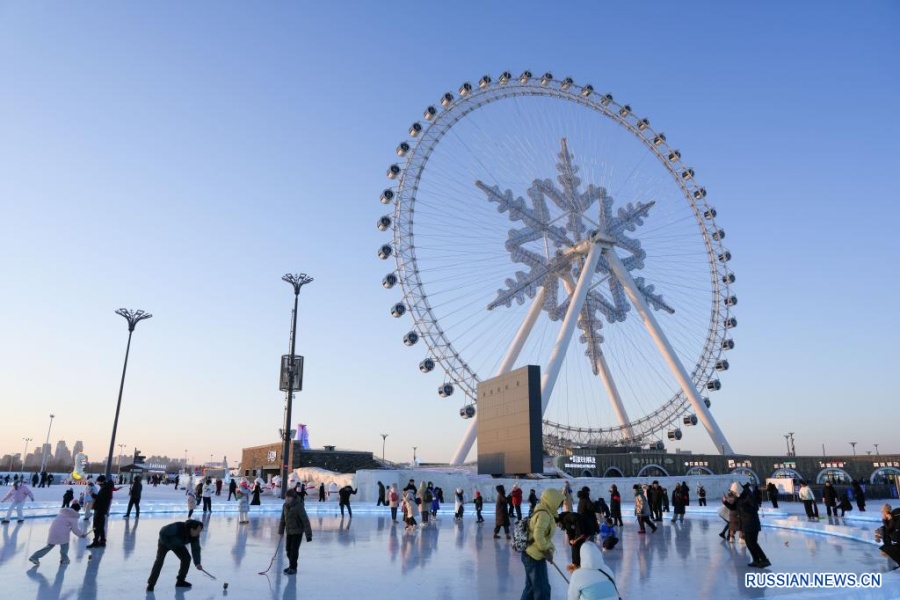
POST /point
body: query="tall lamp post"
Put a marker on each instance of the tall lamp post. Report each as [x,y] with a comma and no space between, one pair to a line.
[47,443]
[853,445]
[383,440]
[414,455]
[876,449]
[24,454]
[119,457]
[133,317]
[297,282]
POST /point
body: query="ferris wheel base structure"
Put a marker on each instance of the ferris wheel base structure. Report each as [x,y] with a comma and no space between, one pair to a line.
[604,247]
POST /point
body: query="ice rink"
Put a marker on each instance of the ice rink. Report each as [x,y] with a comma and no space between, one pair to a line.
[371,557]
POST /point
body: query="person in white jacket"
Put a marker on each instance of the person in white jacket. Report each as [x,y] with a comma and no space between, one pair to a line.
[18,494]
[594,580]
[64,523]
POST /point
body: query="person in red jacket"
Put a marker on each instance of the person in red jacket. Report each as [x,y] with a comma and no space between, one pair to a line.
[516,500]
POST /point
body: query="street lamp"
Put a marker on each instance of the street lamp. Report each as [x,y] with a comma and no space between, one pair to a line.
[853,445]
[133,317]
[414,455]
[119,457]
[24,454]
[793,448]
[297,282]
[47,443]
[787,443]
[383,440]
[876,449]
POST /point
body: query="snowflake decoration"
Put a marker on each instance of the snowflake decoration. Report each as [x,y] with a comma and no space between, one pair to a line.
[557,234]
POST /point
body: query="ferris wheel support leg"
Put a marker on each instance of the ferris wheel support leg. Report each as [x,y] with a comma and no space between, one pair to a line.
[548,380]
[606,377]
[465,445]
[665,348]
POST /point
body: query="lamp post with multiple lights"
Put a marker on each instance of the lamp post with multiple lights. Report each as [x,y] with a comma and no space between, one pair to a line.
[133,317]
[297,282]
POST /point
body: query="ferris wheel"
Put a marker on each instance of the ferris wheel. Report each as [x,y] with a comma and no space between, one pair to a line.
[536,221]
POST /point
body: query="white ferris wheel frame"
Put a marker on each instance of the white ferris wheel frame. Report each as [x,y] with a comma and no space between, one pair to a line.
[418,150]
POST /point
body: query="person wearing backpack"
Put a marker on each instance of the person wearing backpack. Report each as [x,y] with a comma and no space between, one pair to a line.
[541,527]
[594,580]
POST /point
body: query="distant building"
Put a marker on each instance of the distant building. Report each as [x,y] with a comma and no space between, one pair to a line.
[881,469]
[62,454]
[78,447]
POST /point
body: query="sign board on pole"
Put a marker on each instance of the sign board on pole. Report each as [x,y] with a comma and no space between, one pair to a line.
[285,372]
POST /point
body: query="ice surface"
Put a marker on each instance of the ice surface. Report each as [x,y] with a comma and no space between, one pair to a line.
[371,557]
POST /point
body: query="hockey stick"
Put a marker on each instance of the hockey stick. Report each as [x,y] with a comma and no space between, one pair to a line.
[272,562]
[208,574]
[561,574]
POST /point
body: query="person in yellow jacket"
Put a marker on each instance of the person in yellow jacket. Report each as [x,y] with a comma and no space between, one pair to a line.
[541,527]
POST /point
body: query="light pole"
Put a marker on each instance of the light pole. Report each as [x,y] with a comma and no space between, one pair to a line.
[853,445]
[119,457]
[414,455]
[185,460]
[133,317]
[47,443]
[24,454]
[383,440]
[793,448]
[787,443]
[876,449]
[297,282]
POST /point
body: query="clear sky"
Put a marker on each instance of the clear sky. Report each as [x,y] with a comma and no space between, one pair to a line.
[181,157]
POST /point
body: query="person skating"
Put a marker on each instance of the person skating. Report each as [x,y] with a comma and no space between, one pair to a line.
[642,510]
[174,537]
[209,490]
[515,497]
[232,488]
[539,552]
[479,506]
[750,527]
[459,504]
[68,496]
[344,495]
[102,502]
[382,497]
[134,497]
[594,580]
[63,524]
[243,500]
[501,513]
[615,505]
[888,535]
[17,495]
[394,501]
[829,498]
[293,525]
[532,501]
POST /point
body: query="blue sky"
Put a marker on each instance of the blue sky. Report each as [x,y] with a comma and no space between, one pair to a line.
[180,158]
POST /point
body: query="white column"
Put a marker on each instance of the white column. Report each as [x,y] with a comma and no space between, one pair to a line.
[548,381]
[468,440]
[606,377]
[662,343]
